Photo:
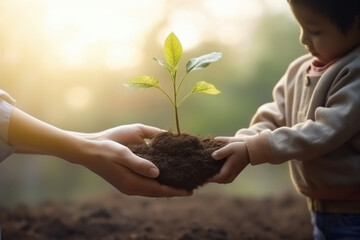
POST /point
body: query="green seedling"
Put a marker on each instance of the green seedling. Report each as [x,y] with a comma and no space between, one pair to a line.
[173,54]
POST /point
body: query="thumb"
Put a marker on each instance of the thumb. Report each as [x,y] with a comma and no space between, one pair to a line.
[142,166]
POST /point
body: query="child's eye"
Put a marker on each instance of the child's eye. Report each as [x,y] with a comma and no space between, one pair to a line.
[315,33]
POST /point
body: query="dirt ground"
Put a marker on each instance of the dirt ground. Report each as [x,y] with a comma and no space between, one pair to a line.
[202,216]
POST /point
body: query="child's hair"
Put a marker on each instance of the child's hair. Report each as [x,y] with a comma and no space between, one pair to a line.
[341,12]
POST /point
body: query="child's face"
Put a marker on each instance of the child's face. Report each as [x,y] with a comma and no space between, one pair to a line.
[322,38]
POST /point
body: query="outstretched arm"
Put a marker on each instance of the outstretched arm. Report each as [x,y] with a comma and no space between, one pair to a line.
[112,161]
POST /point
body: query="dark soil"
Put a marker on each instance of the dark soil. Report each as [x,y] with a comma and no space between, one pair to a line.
[184,160]
[200,217]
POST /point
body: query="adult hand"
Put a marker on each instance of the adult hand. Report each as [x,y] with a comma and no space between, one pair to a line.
[130,174]
[237,159]
[112,161]
[125,134]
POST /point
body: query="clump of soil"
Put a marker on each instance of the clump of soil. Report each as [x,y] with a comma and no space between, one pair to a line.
[184,160]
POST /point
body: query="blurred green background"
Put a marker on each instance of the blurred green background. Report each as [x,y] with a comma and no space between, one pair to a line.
[65,62]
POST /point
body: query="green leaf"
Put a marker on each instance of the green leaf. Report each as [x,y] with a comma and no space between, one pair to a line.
[142,82]
[205,87]
[172,50]
[202,61]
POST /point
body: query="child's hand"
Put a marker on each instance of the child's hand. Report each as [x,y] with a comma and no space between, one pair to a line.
[237,159]
[130,174]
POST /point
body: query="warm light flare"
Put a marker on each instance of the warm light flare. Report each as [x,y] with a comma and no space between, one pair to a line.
[78,97]
[80,25]
[113,33]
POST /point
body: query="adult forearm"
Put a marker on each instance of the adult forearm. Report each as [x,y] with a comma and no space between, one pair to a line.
[30,135]
[110,160]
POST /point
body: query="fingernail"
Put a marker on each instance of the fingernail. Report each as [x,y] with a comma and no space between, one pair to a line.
[153,172]
[214,155]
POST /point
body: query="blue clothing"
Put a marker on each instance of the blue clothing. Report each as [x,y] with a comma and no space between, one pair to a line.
[335,226]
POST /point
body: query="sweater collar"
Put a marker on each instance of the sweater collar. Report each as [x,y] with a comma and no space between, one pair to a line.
[317,68]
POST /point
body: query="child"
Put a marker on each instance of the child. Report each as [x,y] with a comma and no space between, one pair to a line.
[314,119]
[102,153]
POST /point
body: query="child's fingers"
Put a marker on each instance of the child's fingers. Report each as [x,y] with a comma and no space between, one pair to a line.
[229,139]
[235,163]
[222,152]
[227,173]
[222,139]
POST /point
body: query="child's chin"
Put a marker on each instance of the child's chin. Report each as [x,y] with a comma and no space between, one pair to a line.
[320,60]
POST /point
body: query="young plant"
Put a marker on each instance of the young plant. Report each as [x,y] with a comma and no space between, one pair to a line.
[173,54]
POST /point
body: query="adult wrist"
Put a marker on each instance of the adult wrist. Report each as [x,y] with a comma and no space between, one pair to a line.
[79,151]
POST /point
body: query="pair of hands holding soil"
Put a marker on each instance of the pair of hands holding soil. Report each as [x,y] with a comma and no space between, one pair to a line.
[108,154]
[136,173]
[133,174]
[187,161]
[111,155]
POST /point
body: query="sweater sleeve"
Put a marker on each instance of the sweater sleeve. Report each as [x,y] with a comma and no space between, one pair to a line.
[267,118]
[271,116]
[5,112]
[333,124]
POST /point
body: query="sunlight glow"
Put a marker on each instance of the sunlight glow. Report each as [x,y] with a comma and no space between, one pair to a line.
[78,97]
[233,8]
[119,56]
[188,27]
[72,51]
[82,25]
[113,33]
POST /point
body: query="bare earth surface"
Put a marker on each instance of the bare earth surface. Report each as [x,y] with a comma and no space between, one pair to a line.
[201,216]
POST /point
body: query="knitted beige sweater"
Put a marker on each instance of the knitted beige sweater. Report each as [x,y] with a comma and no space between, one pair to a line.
[314,123]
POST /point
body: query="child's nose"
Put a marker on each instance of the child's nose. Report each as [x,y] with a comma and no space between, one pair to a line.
[304,40]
